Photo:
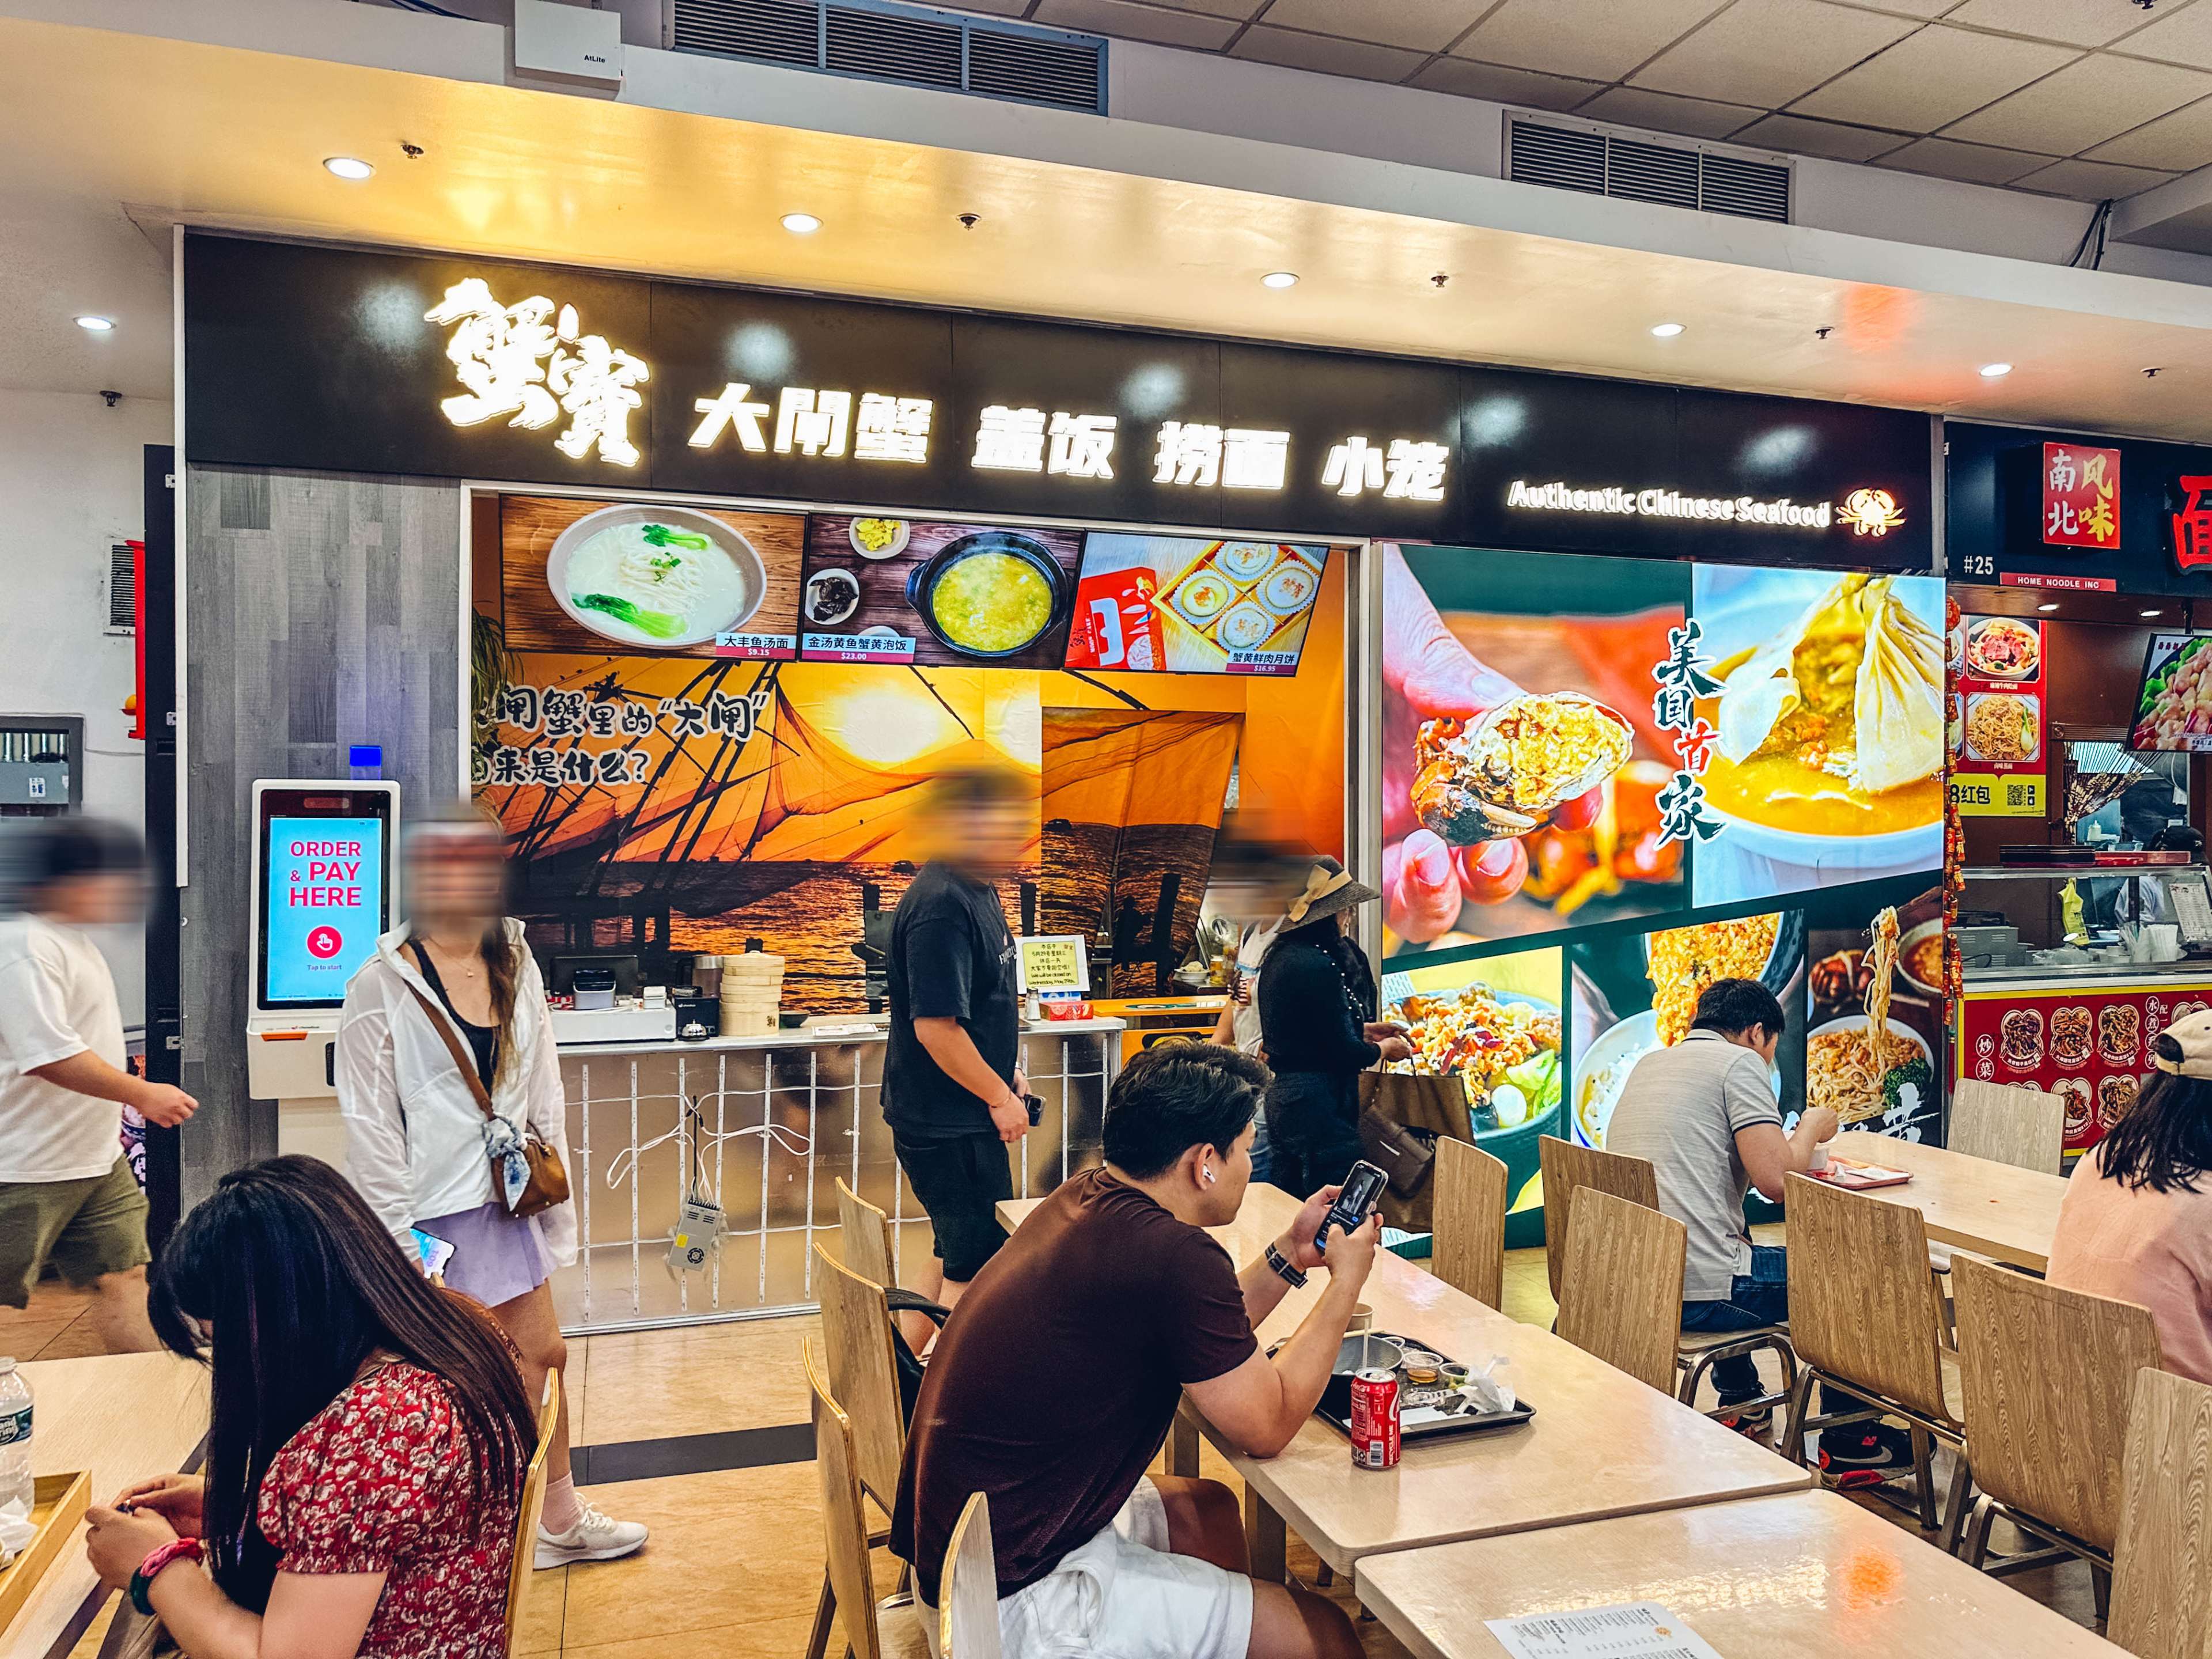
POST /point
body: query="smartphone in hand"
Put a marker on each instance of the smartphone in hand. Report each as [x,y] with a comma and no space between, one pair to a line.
[1362,1192]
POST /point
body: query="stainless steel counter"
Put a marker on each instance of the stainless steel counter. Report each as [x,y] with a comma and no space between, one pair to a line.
[775,1120]
[2057,977]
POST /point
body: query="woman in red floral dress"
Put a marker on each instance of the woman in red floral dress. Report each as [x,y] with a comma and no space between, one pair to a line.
[368,1440]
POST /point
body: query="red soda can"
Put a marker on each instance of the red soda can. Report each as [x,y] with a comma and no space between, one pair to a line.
[1375,1420]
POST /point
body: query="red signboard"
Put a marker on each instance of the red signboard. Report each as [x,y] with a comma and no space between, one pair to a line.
[2081,496]
[2192,526]
[2089,1045]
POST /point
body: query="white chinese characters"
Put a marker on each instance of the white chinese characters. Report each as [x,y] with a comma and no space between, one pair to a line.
[816,423]
[1404,470]
[1232,458]
[530,362]
[1068,445]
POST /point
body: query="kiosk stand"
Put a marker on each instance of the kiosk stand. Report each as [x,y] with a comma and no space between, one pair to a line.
[322,897]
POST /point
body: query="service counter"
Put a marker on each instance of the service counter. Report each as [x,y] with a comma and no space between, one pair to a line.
[773,1122]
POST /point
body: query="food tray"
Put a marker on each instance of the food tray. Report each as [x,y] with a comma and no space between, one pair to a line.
[1245,593]
[1416,1423]
[58,1505]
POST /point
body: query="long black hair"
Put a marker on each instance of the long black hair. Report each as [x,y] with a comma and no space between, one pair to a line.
[2165,1142]
[285,1284]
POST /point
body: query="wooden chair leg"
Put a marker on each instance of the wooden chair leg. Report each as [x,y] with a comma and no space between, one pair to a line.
[1324,1576]
[826,1612]
[1924,1477]
[1954,1510]
[1978,1534]
[2100,1589]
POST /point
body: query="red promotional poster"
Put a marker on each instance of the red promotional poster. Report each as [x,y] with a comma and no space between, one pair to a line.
[2089,1045]
[1115,624]
[1996,716]
[2081,496]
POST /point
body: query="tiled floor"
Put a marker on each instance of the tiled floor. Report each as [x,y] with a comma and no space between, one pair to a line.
[735,1562]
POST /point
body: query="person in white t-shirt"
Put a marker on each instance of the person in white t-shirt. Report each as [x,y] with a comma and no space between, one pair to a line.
[67,1196]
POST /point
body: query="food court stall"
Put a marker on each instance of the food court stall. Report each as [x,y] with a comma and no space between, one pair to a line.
[2079,720]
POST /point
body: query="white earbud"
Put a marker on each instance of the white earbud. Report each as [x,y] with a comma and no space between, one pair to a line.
[1206,1172]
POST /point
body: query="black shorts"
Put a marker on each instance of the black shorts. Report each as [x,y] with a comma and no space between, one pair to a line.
[961,1182]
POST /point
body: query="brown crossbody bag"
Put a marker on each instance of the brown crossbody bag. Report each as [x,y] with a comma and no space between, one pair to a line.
[548,1177]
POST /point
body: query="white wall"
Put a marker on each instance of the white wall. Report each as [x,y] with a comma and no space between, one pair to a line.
[71,483]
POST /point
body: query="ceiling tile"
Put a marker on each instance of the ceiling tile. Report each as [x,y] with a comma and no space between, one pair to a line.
[2091,100]
[1660,112]
[1503,85]
[1796,136]
[2077,22]
[1134,23]
[1932,77]
[1423,24]
[2091,181]
[1583,37]
[2181,37]
[1769,52]
[997,8]
[1293,49]
[1972,164]
[2181,141]
[1911,7]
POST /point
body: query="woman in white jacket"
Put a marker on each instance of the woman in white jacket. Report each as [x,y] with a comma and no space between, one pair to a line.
[416,1138]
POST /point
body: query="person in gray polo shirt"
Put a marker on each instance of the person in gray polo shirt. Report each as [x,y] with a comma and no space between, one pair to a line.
[1704,1113]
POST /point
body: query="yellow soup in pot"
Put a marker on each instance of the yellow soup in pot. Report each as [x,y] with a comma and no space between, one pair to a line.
[991,602]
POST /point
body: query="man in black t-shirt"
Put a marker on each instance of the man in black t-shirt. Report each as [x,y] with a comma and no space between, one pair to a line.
[952,1080]
[1055,1381]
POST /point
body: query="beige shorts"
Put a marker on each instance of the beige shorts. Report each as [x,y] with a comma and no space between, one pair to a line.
[1125,1595]
[86,1228]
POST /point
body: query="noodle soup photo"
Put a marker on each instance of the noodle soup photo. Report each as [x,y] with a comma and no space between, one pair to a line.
[1877,1036]
[656,576]
[1830,714]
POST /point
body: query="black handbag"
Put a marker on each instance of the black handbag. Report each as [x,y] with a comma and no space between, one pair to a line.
[908,1364]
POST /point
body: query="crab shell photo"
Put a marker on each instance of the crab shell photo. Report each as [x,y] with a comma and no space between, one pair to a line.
[1506,773]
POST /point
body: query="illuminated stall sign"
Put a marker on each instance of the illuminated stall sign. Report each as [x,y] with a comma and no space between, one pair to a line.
[331,360]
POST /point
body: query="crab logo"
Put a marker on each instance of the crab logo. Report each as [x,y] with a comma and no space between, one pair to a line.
[1871,512]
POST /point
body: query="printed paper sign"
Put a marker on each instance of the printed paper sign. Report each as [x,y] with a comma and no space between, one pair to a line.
[1054,961]
[1641,1630]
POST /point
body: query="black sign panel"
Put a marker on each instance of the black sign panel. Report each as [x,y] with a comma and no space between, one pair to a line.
[1993,514]
[331,360]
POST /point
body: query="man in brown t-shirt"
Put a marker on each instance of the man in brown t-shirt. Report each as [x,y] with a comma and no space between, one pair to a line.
[1057,1378]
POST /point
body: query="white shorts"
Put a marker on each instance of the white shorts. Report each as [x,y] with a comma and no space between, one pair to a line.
[1125,1595]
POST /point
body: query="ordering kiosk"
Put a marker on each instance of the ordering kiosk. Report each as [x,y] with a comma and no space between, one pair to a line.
[322,897]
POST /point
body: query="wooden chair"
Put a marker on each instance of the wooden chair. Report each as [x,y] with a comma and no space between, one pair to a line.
[845,1526]
[1620,1298]
[1468,1250]
[856,1333]
[864,1236]
[2049,1376]
[2007,1124]
[1568,1169]
[524,1563]
[967,1599]
[2162,1570]
[1866,1321]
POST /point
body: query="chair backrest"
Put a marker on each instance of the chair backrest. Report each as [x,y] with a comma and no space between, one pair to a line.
[1468,1251]
[525,1562]
[1622,1297]
[2162,1568]
[1862,1300]
[864,1236]
[968,1599]
[1567,1169]
[2049,1376]
[844,1521]
[2008,1124]
[856,1330]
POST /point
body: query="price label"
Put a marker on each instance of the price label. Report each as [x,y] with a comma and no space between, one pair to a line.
[1263,662]
[856,647]
[757,647]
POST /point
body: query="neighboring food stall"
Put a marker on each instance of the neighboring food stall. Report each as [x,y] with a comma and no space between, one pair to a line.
[2079,721]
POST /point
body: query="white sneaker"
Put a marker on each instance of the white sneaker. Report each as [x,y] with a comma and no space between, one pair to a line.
[593,1538]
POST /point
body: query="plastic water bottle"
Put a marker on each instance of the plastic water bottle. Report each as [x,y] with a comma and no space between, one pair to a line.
[15,1435]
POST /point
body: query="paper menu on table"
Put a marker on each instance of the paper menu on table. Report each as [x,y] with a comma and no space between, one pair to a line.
[1639,1629]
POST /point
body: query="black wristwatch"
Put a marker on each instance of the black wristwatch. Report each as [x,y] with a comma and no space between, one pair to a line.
[1281,1264]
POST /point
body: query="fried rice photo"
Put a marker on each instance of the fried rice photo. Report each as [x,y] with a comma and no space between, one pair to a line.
[1686,960]
[1471,1034]
[2000,728]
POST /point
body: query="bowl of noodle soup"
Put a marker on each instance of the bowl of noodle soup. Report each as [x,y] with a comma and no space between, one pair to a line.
[1839,1073]
[656,578]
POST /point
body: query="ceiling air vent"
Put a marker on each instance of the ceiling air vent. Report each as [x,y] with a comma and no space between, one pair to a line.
[1600,163]
[883,40]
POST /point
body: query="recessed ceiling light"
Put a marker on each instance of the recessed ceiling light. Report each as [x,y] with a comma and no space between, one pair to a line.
[1996,371]
[801,224]
[347,167]
[1280,279]
[2053,606]
[95,325]
[1666,330]
[2147,614]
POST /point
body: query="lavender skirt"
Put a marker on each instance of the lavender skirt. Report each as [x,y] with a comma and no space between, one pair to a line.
[496,1258]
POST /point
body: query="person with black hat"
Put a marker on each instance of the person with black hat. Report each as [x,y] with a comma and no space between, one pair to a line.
[1319,1030]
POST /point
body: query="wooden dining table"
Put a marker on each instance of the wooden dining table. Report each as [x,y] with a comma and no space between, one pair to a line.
[1806,1576]
[123,1417]
[1601,1443]
[1975,1204]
